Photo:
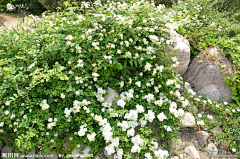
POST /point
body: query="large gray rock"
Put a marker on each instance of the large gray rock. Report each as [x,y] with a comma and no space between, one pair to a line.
[207,77]
[187,120]
[181,50]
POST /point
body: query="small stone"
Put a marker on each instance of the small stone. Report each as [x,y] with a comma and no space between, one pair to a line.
[53,157]
[76,154]
[5,151]
[204,155]
[215,121]
[187,120]
[178,146]
[108,156]
[224,145]
[192,109]
[31,155]
[211,149]
[192,152]
[202,137]
[112,95]
[216,131]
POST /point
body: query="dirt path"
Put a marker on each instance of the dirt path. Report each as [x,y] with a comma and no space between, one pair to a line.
[9,20]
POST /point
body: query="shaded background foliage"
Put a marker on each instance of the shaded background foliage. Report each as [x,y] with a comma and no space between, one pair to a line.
[39,6]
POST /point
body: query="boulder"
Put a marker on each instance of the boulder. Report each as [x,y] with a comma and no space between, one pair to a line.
[181,50]
[207,78]
[187,120]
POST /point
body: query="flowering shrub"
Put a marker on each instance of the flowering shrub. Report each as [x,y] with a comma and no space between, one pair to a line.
[55,74]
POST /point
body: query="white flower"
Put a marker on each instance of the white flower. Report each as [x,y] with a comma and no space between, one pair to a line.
[148,67]
[185,103]
[233,150]
[7,103]
[143,122]
[91,137]
[110,149]
[168,128]
[169,82]
[149,97]
[62,96]
[201,122]
[124,125]
[199,115]
[95,74]
[161,116]
[121,103]
[121,83]
[148,156]
[135,148]
[1,124]
[153,38]
[6,112]
[69,37]
[25,117]
[82,130]
[140,108]
[158,102]
[136,140]
[150,116]
[130,132]
[225,103]
[209,116]
[138,83]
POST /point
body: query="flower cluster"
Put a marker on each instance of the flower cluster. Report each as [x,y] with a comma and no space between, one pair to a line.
[44,104]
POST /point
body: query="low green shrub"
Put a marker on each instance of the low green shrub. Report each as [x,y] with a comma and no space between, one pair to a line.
[56,72]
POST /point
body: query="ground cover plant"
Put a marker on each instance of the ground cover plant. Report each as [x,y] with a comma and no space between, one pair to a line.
[212,23]
[55,73]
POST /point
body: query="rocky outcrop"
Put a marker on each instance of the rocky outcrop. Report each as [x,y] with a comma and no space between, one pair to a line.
[207,76]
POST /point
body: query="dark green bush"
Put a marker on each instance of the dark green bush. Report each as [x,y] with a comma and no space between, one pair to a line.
[32,6]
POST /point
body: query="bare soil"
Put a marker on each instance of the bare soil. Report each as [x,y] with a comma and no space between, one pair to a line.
[9,20]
